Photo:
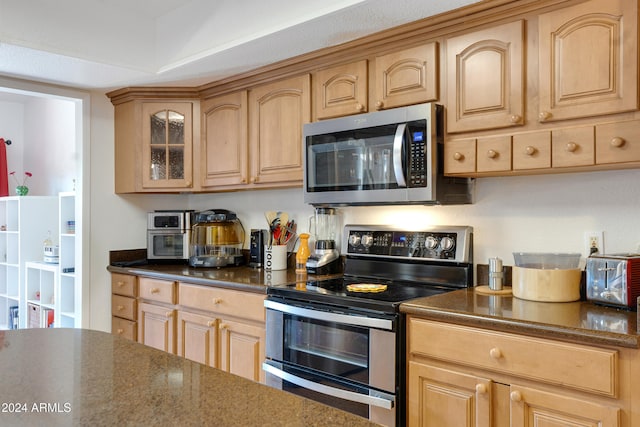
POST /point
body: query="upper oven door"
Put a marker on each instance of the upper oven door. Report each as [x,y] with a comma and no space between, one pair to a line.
[345,346]
[373,158]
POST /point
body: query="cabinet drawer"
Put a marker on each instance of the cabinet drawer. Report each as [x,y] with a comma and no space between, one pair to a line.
[157,290]
[494,154]
[532,150]
[124,328]
[224,301]
[590,369]
[618,142]
[460,156]
[123,307]
[123,284]
[573,147]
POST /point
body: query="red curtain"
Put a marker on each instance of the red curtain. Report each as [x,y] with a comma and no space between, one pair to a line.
[4,175]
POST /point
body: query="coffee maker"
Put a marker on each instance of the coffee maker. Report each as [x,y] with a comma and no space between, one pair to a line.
[325,257]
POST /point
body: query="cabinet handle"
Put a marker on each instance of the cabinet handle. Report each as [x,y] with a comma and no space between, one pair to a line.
[458,156]
[120,307]
[223,326]
[529,150]
[120,331]
[379,105]
[572,147]
[544,115]
[155,290]
[481,388]
[120,284]
[359,107]
[495,353]
[617,142]
[243,181]
[516,396]
[217,301]
[492,154]
[211,323]
[168,314]
[515,119]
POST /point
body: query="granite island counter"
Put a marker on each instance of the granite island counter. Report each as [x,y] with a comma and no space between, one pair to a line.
[59,377]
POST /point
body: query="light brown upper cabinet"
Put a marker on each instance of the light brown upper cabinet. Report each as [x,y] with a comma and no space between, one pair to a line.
[588,60]
[485,85]
[405,77]
[224,156]
[153,146]
[277,112]
[340,90]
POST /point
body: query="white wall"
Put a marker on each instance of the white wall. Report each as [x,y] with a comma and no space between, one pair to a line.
[12,128]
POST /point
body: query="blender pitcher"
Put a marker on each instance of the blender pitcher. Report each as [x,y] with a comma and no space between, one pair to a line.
[325,258]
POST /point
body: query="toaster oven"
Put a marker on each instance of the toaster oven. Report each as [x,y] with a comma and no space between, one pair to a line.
[614,279]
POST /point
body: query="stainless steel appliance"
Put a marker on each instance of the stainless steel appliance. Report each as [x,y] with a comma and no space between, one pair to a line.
[216,239]
[330,341]
[325,258]
[614,279]
[394,156]
[168,234]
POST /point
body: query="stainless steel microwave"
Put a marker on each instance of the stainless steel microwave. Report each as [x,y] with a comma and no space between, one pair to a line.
[394,156]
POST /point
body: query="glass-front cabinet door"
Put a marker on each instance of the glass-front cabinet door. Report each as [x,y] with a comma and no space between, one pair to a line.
[167,144]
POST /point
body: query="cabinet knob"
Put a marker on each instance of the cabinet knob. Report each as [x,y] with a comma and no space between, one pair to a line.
[572,147]
[120,283]
[515,119]
[168,314]
[529,150]
[481,388]
[359,107]
[120,331]
[188,183]
[379,105]
[516,396]
[495,353]
[458,156]
[211,323]
[223,326]
[544,115]
[243,181]
[217,301]
[492,154]
[120,307]
[617,142]
[155,290]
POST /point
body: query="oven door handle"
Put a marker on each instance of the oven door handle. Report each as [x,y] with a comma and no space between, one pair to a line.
[381,400]
[345,319]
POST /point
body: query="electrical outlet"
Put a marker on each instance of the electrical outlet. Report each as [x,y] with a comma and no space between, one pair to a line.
[594,242]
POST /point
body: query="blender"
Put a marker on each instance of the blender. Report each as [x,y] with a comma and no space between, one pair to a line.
[325,257]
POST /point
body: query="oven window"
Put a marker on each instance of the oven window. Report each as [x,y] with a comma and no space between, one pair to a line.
[328,347]
[168,244]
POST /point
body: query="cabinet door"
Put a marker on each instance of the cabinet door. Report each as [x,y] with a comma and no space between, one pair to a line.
[225,157]
[157,327]
[588,60]
[242,348]
[340,91]
[439,397]
[198,338]
[531,407]
[167,142]
[277,112]
[406,77]
[485,79]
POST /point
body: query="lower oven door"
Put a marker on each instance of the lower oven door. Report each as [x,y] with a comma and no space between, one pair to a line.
[373,404]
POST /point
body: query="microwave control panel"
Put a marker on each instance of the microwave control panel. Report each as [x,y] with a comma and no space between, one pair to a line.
[437,244]
[417,176]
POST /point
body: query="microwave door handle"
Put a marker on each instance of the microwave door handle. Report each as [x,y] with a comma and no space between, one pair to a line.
[398,141]
[380,401]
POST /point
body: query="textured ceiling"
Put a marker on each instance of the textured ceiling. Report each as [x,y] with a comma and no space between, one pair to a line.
[107,44]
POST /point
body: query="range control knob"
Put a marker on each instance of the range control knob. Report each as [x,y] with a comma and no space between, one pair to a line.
[431,243]
[354,240]
[367,240]
[447,243]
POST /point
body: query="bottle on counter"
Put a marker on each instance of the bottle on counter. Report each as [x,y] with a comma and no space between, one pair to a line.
[303,253]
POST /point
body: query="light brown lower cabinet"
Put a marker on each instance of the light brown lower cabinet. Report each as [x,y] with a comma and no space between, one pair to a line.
[157,327]
[464,376]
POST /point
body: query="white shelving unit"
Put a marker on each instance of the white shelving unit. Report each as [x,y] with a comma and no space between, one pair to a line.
[41,289]
[70,290]
[25,223]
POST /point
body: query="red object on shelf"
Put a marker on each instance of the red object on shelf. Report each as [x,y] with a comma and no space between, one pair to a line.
[4,175]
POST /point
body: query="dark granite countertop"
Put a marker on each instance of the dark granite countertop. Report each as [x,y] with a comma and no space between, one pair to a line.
[581,321]
[57,377]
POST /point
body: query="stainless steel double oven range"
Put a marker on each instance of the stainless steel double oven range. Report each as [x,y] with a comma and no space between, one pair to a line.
[330,342]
